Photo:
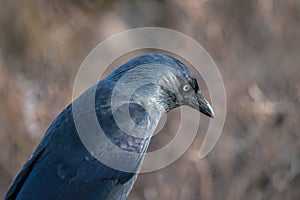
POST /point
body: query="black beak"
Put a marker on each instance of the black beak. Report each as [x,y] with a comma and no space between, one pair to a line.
[202,105]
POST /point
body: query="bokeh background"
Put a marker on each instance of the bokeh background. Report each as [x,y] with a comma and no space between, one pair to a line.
[255,43]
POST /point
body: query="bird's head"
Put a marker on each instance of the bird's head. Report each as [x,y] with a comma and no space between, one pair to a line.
[162,81]
[181,86]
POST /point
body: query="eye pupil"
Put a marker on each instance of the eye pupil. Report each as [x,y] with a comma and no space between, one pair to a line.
[186,88]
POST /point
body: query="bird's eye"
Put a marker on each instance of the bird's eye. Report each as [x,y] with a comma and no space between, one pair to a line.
[186,88]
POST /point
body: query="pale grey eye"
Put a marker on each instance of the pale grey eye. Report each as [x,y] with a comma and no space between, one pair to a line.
[186,88]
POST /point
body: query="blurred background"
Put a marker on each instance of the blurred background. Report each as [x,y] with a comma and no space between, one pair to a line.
[256,45]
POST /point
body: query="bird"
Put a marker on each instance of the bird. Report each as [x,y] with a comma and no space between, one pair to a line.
[62,167]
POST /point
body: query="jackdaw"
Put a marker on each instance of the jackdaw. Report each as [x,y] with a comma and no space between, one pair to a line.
[127,106]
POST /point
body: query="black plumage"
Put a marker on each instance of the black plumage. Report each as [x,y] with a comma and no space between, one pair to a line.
[62,168]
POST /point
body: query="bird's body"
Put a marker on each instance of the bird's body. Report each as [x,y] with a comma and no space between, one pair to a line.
[63,168]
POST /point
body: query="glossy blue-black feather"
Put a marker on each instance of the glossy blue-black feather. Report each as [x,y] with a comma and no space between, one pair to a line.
[62,168]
